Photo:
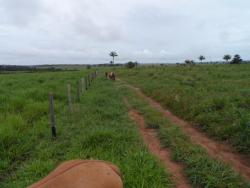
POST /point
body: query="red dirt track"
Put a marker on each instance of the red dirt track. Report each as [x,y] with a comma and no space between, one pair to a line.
[154,145]
[240,163]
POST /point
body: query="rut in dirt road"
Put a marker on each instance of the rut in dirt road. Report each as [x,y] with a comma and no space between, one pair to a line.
[154,145]
[240,163]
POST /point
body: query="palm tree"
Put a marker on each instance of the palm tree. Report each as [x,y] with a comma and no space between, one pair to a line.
[201,58]
[113,54]
[227,57]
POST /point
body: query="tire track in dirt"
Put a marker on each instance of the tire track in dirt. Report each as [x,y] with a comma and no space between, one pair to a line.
[223,152]
[152,141]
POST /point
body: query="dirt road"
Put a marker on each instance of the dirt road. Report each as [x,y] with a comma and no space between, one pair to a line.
[217,150]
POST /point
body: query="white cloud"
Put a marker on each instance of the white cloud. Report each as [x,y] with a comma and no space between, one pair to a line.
[50,30]
[144,53]
[164,53]
[19,12]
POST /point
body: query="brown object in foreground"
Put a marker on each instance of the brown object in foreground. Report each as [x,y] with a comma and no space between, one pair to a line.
[82,174]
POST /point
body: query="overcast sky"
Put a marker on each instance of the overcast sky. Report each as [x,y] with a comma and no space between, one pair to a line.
[85,31]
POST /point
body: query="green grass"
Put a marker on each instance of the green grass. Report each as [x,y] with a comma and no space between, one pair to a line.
[215,98]
[99,128]
[24,113]
[201,170]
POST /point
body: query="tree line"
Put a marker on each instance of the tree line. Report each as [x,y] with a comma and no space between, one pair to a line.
[10,68]
[236,59]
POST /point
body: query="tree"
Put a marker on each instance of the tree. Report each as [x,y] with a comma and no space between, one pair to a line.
[236,60]
[227,57]
[189,62]
[201,58]
[113,54]
[131,64]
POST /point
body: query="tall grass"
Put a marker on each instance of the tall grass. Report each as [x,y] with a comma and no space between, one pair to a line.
[215,98]
[201,170]
[99,128]
[24,113]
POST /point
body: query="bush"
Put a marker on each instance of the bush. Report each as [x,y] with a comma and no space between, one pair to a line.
[236,60]
[189,62]
[131,64]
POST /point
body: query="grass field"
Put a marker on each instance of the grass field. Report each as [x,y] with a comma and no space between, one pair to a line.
[99,128]
[215,98]
[200,168]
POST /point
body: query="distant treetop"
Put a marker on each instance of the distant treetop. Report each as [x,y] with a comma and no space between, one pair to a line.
[113,54]
[201,58]
[227,57]
[236,60]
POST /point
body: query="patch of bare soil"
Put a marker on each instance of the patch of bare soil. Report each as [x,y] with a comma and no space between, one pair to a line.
[154,145]
[215,149]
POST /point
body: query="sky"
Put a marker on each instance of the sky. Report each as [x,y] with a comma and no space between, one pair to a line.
[85,31]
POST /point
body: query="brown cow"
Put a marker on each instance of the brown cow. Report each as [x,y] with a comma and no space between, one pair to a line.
[82,174]
[111,76]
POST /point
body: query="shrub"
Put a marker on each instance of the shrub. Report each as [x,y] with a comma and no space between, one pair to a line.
[236,60]
[189,62]
[131,64]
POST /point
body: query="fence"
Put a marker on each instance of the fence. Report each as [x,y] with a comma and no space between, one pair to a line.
[82,86]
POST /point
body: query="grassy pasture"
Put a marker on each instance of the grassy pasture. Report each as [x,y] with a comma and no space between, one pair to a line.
[215,98]
[24,113]
[99,128]
[201,170]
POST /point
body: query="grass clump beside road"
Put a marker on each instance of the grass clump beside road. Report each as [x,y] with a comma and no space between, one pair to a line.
[201,170]
[99,128]
[216,98]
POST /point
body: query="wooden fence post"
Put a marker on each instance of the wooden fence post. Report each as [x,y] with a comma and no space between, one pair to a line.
[89,80]
[83,87]
[86,83]
[52,115]
[69,98]
[78,90]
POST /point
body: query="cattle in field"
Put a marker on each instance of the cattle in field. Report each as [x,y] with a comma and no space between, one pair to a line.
[111,76]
